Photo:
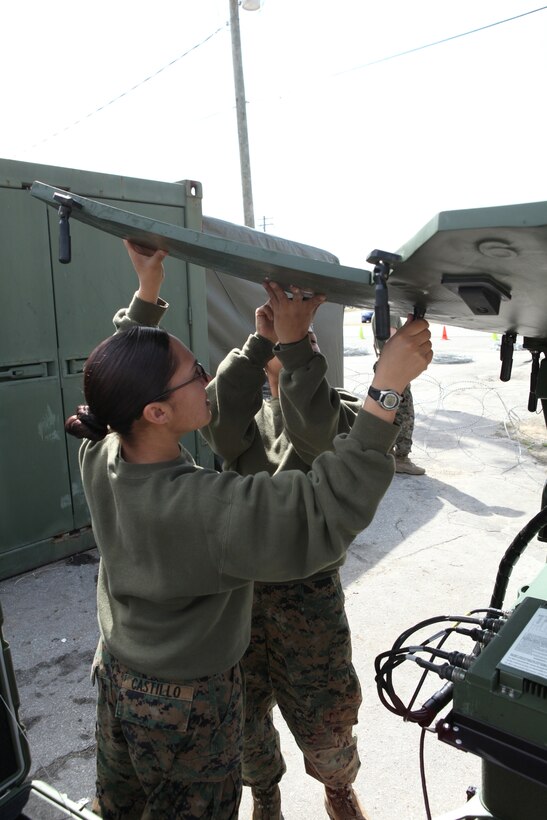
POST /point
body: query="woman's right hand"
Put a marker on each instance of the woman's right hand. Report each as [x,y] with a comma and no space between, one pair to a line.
[291,317]
[404,356]
[148,266]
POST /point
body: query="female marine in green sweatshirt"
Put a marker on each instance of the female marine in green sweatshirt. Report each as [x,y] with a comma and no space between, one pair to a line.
[179,554]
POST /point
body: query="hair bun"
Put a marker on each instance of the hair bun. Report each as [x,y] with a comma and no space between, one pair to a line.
[85,424]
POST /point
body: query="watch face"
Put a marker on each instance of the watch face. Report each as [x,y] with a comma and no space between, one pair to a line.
[390,401]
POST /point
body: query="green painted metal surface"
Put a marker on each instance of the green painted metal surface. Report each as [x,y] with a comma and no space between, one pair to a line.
[53,315]
[496,693]
[484,269]
[35,491]
[512,797]
[505,246]
[341,284]
[504,693]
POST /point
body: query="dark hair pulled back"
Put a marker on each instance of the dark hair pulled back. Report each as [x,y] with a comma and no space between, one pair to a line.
[122,374]
[84,424]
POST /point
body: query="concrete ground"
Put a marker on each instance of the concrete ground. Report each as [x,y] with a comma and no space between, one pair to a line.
[433,549]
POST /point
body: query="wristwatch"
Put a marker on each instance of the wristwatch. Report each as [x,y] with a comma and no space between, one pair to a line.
[388,399]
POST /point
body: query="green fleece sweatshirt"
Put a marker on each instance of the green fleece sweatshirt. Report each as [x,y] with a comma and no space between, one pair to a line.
[180,545]
[287,433]
[250,434]
[284,433]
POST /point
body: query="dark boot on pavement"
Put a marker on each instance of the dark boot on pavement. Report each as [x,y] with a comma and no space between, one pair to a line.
[343,804]
[403,464]
[267,804]
[96,807]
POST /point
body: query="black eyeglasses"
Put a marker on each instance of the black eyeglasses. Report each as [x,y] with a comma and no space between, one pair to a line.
[200,373]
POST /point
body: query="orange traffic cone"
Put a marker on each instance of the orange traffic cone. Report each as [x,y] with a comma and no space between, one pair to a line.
[445,334]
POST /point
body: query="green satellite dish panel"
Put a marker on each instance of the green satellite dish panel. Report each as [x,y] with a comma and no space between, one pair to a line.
[343,285]
[483,269]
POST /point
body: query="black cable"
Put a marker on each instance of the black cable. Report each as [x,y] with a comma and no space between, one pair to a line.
[434,704]
[424,675]
[497,612]
[455,658]
[513,553]
[383,686]
[464,619]
[422,775]
[386,662]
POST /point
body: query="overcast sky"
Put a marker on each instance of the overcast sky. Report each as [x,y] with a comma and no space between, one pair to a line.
[347,153]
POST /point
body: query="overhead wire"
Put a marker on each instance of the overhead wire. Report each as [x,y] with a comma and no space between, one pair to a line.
[404,53]
[130,90]
[369,64]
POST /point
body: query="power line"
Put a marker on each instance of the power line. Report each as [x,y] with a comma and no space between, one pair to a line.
[130,90]
[295,90]
[438,42]
[335,74]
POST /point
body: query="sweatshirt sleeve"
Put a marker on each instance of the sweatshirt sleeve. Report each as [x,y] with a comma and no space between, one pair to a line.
[235,394]
[313,411]
[217,531]
[294,524]
[140,312]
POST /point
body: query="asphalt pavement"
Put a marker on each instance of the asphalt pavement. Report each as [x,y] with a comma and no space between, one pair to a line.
[433,549]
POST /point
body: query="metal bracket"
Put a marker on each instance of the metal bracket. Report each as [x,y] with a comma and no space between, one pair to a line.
[480,292]
[384,263]
[506,355]
[65,209]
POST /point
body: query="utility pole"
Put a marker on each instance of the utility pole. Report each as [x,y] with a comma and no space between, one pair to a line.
[241,112]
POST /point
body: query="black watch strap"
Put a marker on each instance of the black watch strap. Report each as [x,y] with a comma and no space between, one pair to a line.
[388,399]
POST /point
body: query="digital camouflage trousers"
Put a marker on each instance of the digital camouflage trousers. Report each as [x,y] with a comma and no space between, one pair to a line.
[300,658]
[404,417]
[167,750]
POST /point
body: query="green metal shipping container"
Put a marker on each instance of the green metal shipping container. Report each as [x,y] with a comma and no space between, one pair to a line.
[52,316]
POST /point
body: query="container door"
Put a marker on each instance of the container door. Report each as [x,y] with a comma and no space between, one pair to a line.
[87,291]
[35,492]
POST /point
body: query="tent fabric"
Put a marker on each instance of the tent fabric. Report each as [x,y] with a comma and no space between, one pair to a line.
[231,302]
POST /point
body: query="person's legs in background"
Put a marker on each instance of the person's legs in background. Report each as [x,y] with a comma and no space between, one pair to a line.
[404,417]
[316,686]
[263,764]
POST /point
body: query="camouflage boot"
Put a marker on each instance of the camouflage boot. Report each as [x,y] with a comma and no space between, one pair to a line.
[267,804]
[343,804]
